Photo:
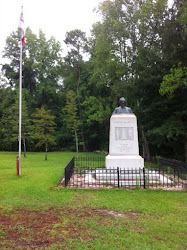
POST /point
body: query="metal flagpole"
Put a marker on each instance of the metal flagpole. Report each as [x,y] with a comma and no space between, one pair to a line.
[20,104]
[22,33]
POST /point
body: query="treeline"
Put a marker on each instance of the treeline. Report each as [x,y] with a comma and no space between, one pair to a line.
[138,51]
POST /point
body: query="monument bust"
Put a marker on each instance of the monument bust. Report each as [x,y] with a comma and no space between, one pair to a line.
[122,109]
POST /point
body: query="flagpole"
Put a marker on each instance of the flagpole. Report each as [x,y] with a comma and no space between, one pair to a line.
[20,86]
[20,103]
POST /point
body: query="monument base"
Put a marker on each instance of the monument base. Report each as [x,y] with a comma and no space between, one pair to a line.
[127,162]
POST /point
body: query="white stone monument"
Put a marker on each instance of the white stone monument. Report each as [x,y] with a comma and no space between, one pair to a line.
[123,144]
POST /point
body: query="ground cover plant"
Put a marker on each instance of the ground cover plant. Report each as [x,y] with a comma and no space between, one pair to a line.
[35,214]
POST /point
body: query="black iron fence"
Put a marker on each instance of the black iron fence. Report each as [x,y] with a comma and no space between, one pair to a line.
[164,162]
[171,163]
[89,162]
[69,171]
[89,172]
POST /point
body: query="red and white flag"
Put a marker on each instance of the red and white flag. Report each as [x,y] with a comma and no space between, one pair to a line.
[21,25]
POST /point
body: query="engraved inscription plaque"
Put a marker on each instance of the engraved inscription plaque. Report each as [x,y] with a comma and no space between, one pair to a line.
[124,133]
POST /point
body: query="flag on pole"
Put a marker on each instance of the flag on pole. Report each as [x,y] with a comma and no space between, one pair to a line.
[21,25]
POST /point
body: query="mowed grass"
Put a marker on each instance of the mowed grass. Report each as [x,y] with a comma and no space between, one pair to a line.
[34,213]
[35,187]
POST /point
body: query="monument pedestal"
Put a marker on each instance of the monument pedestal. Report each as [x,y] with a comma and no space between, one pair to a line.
[123,144]
[127,162]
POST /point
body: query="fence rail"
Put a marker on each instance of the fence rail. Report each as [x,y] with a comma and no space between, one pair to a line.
[89,172]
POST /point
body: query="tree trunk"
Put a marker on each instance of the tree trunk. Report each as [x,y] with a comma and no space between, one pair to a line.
[185,150]
[79,106]
[24,145]
[46,151]
[76,140]
[84,144]
[146,151]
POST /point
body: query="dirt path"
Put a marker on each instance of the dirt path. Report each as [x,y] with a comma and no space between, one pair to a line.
[24,229]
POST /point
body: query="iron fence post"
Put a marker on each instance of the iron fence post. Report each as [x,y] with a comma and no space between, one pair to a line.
[65,177]
[73,162]
[118,175]
[144,184]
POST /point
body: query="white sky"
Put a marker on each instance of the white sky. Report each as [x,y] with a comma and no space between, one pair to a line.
[54,18]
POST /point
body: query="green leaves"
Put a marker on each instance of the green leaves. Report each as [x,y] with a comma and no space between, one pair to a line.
[70,115]
[176,79]
[132,53]
[43,128]
[170,129]
[70,111]
[96,111]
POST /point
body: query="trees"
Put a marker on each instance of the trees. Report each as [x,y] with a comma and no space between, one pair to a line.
[70,116]
[134,48]
[10,119]
[76,39]
[47,66]
[14,115]
[136,51]
[12,52]
[43,129]
[7,99]
[174,87]
[174,81]
[96,116]
[42,63]
[74,69]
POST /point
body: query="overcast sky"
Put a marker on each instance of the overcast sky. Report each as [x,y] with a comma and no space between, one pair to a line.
[54,18]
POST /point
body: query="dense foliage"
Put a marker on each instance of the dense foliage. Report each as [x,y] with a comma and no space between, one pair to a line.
[138,51]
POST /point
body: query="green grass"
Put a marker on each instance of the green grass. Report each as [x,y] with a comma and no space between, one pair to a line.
[35,188]
[36,214]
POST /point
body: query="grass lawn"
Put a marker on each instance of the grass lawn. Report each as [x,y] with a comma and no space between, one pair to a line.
[34,214]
